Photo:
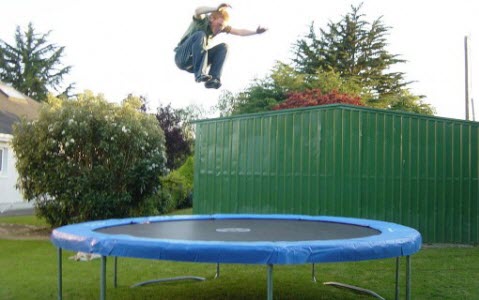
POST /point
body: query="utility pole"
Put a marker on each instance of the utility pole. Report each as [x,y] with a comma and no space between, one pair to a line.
[466,51]
[473,111]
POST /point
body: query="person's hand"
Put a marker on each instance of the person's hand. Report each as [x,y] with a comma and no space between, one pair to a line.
[260,30]
[223,6]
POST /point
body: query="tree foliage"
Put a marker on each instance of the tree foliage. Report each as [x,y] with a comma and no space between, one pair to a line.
[187,116]
[258,97]
[348,57]
[178,146]
[356,49]
[405,101]
[266,94]
[138,101]
[33,65]
[87,159]
[316,97]
[226,104]
[177,186]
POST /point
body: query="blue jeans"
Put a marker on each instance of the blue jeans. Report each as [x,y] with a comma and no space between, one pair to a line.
[192,56]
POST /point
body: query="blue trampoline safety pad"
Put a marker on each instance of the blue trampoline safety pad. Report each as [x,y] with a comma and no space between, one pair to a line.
[241,238]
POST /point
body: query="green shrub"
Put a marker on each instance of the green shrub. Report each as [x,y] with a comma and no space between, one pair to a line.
[87,159]
[160,203]
[187,170]
[177,188]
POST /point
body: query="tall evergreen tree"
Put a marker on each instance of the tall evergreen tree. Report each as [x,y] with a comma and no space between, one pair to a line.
[33,65]
[348,57]
[356,49]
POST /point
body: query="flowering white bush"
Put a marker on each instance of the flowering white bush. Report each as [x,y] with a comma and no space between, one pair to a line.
[87,159]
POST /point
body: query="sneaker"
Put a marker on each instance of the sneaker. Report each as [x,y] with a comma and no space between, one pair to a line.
[214,83]
[203,78]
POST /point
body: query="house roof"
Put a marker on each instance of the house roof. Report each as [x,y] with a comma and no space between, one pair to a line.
[13,106]
[6,121]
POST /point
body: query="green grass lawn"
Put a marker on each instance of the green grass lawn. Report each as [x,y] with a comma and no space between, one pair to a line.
[26,220]
[28,270]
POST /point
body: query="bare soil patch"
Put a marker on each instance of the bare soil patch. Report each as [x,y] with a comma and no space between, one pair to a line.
[23,232]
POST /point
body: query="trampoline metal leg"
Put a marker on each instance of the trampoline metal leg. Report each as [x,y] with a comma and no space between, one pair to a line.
[60,275]
[103,278]
[217,270]
[313,271]
[371,293]
[397,279]
[354,288]
[115,276]
[408,277]
[170,279]
[270,282]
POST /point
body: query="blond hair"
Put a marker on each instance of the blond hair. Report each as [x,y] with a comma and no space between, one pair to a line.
[220,14]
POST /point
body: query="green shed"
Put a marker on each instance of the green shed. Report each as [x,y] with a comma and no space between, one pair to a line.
[341,160]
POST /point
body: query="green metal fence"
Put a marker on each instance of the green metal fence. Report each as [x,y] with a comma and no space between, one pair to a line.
[343,160]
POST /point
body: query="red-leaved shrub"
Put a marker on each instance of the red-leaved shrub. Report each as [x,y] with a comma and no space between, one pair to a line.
[316,97]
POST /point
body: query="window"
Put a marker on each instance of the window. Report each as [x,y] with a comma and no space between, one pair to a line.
[3,160]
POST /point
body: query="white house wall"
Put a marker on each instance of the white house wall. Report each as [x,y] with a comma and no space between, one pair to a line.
[10,197]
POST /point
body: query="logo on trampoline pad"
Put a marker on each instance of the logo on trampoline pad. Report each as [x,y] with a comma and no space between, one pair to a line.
[235,230]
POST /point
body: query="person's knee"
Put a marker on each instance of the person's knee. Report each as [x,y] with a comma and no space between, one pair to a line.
[223,47]
[199,36]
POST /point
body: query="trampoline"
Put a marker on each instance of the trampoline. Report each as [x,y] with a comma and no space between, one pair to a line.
[240,239]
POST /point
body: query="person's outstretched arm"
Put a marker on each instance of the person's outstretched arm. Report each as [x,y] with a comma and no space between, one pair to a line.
[247,32]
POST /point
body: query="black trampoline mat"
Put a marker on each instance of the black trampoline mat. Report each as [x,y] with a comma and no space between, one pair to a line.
[243,230]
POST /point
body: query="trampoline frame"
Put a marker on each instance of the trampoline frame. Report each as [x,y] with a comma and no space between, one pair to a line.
[403,240]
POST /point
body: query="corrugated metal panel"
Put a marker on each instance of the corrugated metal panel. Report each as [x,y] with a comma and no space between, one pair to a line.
[345,161]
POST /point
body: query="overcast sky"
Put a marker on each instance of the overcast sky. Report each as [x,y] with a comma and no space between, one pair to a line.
[123,47]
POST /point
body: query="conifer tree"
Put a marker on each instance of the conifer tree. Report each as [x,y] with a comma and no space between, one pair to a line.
[33,65]
[356,49]
[348,57]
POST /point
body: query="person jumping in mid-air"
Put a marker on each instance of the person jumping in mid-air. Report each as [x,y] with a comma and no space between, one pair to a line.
[192,53]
